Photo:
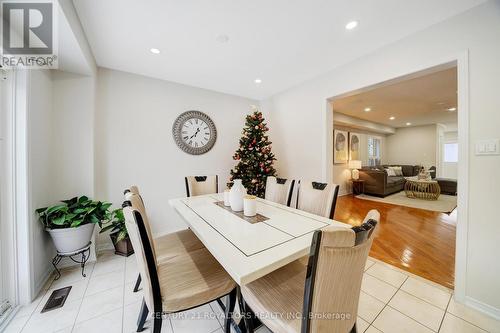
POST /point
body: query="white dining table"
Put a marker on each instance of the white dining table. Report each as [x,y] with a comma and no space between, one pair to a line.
[246,250]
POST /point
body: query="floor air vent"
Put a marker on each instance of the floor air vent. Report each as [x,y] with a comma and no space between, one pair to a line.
[56,299]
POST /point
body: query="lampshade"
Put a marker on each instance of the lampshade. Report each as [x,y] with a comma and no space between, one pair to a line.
[354,164]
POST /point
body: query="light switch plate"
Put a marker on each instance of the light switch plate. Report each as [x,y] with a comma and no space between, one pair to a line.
[488,147]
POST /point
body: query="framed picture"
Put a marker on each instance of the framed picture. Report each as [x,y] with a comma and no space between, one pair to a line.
[354,143]
[340,147]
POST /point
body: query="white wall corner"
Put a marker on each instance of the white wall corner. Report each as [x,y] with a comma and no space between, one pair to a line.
[74,48]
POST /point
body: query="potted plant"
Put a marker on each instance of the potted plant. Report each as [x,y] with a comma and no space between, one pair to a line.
[119,234]
[72,223]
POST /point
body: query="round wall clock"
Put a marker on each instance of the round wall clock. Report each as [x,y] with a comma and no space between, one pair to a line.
[194,132]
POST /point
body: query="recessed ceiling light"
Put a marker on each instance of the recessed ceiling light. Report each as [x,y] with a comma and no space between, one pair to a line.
[408,124]
[222,38]
[368,109]
[154,50]
[452,109]
[258,81]
[351,25]
[392,118]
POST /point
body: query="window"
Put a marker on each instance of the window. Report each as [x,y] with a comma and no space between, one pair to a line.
[373,151]
[451,152]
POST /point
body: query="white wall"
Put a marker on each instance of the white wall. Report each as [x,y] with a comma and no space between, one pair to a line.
[412,145]
[298,118]
[73,137]
[134,143]
[41,175]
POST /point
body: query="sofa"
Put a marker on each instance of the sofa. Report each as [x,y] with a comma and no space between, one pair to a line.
[378,183]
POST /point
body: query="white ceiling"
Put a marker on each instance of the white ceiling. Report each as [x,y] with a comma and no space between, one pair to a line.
[282,42]
[420,100]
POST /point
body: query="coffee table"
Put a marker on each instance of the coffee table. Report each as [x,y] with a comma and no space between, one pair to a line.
[426,189]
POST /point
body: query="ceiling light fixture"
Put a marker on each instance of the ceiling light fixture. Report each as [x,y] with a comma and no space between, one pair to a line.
[258,81]
[392,118]
[452,109]
[408,124]
[351,25]
[154,50]
[368,109]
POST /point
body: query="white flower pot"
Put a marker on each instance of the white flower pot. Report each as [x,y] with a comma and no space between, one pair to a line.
[238,191]
[69,240]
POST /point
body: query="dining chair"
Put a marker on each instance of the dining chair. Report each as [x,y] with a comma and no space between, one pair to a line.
[200,185]
[279,190]
[324,294]
[166,246]
[181,283]
[317,198]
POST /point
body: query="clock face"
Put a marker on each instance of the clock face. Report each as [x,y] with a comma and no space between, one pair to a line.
[194,132]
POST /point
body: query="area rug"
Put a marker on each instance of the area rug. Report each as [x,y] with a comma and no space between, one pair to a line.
[444,204]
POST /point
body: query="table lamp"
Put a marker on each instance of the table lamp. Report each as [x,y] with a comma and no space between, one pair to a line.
[355,165]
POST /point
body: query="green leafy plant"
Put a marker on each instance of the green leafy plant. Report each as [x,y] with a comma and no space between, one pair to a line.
[117,225]
[75,212]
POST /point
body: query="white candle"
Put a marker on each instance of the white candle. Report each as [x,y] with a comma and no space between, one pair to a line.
[226,198]
[250,205]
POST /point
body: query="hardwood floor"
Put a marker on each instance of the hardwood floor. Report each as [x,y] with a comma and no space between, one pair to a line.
[419,241]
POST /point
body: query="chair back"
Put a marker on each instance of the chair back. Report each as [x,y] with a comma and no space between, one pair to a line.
[334,274]
[200,185]
[146,263]
[279,190]
[317,198]
[132,194]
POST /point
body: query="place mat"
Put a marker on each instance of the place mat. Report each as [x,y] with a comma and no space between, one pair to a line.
[251,219]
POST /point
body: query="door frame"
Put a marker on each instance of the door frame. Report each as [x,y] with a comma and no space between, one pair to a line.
[16,199]
[7,197]
[461,59]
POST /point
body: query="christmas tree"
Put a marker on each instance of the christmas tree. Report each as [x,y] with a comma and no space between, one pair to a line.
[254,156]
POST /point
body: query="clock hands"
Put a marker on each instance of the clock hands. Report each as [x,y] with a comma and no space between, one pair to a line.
[197,131]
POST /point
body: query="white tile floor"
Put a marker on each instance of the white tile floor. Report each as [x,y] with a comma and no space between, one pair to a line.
[391,301]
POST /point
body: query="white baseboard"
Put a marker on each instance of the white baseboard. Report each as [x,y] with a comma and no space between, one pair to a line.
[40,284]
[482,307]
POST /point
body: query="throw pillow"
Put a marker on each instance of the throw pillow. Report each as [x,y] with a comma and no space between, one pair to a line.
[398,171]
[390,172]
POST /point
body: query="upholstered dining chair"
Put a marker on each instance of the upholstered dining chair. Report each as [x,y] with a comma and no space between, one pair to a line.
[165,246]
[279,190]
[199,185]
[324,294]
[317,198]
[181,283]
